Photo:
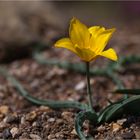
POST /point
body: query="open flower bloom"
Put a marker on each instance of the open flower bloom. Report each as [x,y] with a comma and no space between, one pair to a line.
[87,43]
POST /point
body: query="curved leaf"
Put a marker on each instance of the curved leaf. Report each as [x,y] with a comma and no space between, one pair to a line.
[50,103]
[80,118]
[128,91]
[116,110]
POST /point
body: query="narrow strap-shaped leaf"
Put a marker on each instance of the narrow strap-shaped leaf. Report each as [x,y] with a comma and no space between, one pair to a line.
[50,103]
[122,61]
[102,117]
[80,118]
[112,66]
[80,67]
[130,59]
[128,91]
[126,106]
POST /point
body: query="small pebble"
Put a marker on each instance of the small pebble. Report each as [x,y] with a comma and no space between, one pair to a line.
[66,115]
[101,128]
[56,71]
[81,85]
[115,127]
[51,136]
[137,134]
[44,108]
[120,122]
[14,131]
[118,138]
[59,135]
[31,116]
[23,120]
[6,133]
[36,124]
[35,84]
[24,136]
[35,137]
[51,120]
[10,119]
[73,132]
[3,125]
[59,121]
[4,109]
[128,135]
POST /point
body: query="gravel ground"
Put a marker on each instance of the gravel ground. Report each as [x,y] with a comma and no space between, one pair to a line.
[20,119]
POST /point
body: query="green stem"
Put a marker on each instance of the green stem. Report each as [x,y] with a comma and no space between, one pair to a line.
[88,87]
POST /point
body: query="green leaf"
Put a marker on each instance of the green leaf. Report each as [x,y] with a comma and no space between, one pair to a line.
[128,91]
[50,103]
[116,110]
[105,113]
[80,118]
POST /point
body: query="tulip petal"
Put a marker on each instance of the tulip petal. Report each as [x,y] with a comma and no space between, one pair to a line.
[65,43]
[79,33]
[110,53]
[85,54]
[99,38]
[96,30]
[103,39]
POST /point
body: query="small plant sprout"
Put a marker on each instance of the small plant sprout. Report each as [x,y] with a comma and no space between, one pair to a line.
[88,44]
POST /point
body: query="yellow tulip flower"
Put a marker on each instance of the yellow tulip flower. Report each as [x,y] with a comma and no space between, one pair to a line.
[87,43]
